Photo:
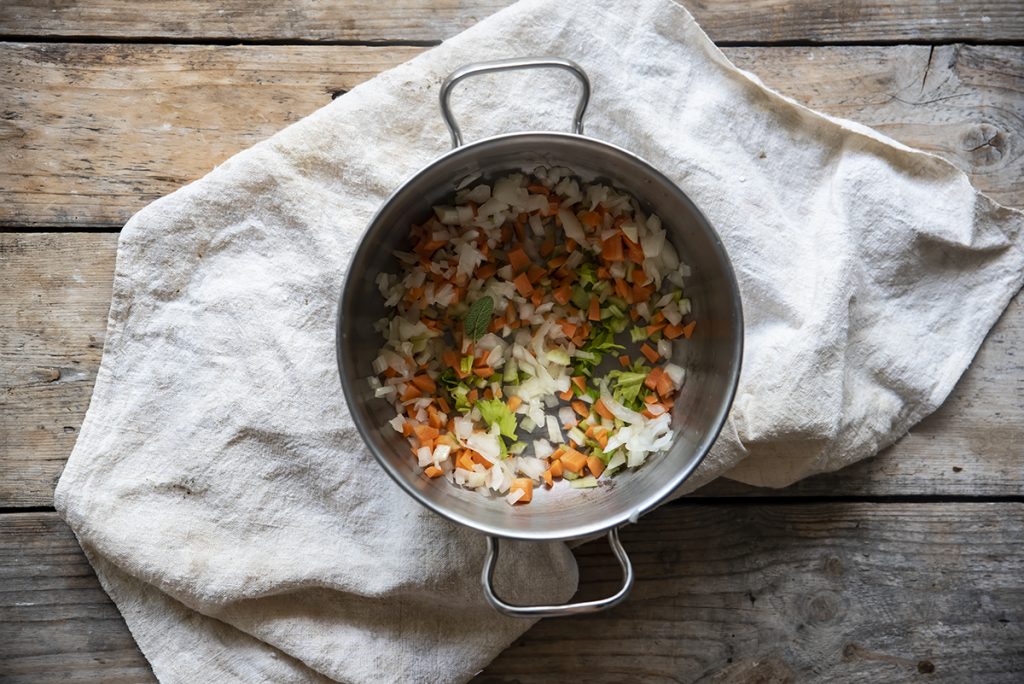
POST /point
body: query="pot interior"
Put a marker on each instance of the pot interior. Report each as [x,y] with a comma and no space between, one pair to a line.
[711,357]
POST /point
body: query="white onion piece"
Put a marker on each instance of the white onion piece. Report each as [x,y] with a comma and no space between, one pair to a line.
[554,433]
[676,374]
[571,225]
[619,411]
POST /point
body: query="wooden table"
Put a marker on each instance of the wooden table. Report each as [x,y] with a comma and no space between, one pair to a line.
[909,566]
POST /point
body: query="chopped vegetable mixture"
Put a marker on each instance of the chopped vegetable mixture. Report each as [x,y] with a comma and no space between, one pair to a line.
[506,314]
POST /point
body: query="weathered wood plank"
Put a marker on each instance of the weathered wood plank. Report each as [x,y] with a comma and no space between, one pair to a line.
[56,622]
[759,21]
[831,593]
[724,593]
[54,298]
[970,446]
[97,131]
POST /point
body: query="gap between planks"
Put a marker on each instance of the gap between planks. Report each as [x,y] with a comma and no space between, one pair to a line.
[426,21]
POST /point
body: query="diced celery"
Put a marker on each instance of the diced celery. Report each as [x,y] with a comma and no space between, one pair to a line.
[587,482]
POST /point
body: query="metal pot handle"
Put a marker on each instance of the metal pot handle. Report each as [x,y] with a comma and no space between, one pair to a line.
[512,65]
[487,577]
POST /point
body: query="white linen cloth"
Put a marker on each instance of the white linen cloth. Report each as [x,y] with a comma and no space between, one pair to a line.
[218,485]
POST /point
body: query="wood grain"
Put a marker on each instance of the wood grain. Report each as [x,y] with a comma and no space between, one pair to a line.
[725,593]
[54,298]
[94,132]
[761,21]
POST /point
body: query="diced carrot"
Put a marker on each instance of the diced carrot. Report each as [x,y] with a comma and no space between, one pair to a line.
[480,458]
[673,331]
[570,245]
[633,314]
[432,471]
[548,479]
[641,293]
[651,381]
[580,408]
[649,351]
[556,454]
[488,393]
[537,189]
[483,372]
[482,360]
[650,399]
[411,392]
[654,327]
[580,381]
[547,247]
[563,294]
[472,396]
[594,310]
[595,465]
[624,361]
[525,485]
[425,384]
[601,435]
[514,403]
[573,460]
[450,358]
[523,285]
[591,219]
[433,418]
[566,395]
[520,227]
[520,262]
[390,372]
[603,411]
[665,386]
[557,261]
[485,271]
[537,297]
[425,433]
[658,317]
[688,329]
[623,289]
[428,247]
[506,234]
[569,329]
[465,460]
[611,249]
[407,429]
[498,323]
[603,273]
[534,273]
[556,468]
[633,251]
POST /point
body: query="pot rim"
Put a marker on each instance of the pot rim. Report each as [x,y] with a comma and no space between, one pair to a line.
[669,486]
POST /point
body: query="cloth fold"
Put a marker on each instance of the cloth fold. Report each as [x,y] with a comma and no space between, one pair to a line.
[218,485]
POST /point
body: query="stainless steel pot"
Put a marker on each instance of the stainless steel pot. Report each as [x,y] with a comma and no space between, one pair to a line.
[711,357]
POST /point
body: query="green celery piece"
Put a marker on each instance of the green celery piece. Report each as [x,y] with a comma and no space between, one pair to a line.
[580,298]
[637,334]
[496,411]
